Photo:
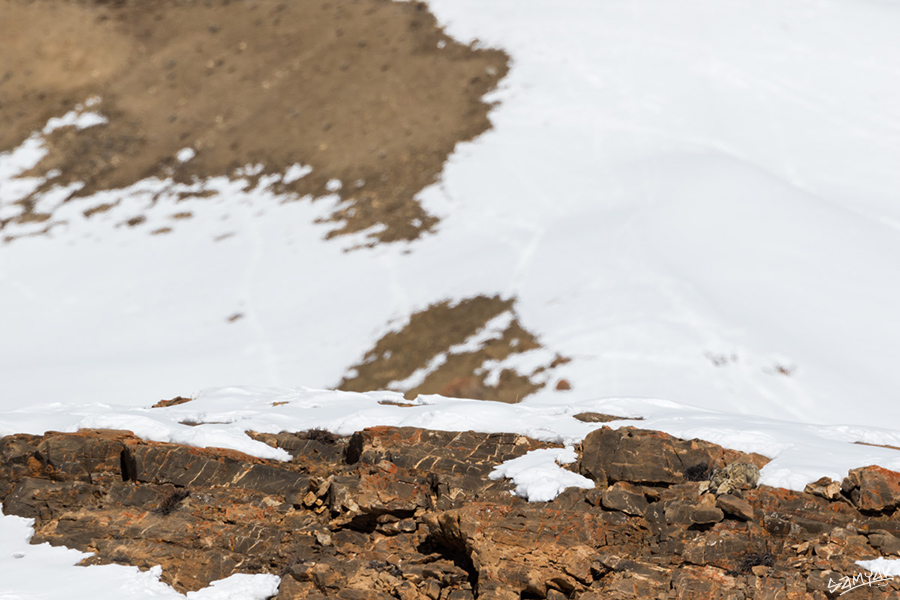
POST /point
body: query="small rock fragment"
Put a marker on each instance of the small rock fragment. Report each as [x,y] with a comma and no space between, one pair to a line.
[736,507]
[625,497]
[824,488]
[886,542]
[706,512]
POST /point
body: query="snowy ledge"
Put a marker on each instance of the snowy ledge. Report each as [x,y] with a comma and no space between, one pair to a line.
[219,417]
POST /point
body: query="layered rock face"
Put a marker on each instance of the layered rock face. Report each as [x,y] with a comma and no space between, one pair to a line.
[411,514]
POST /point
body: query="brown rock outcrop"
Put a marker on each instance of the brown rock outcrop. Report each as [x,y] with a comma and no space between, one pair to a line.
[642,456]
[410,514]
[873,488]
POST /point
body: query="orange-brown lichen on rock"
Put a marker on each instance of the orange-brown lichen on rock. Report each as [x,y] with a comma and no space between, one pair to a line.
[410,513]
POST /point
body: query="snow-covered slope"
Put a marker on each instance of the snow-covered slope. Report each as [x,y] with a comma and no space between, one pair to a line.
[698,180]
[697,201]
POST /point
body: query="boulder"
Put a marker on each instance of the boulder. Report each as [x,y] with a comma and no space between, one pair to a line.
[625,497]
[465,453]
[873,488]
[185,466]
[735,507]
[706,512]
[885,542]
[652,457]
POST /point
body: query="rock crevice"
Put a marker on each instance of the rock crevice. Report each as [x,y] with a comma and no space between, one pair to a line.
[411,514]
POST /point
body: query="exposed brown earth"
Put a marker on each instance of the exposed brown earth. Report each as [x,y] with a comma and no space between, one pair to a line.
[368,92]
[411,514]
[435,331]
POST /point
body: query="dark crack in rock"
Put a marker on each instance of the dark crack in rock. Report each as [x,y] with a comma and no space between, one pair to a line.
[410,514]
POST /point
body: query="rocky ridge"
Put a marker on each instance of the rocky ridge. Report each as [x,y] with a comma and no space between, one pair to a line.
[411,514]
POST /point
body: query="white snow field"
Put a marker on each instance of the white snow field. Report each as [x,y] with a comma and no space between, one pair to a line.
[697,201]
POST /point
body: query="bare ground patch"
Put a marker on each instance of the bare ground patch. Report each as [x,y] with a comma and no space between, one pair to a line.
[456,350]
[371,93]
